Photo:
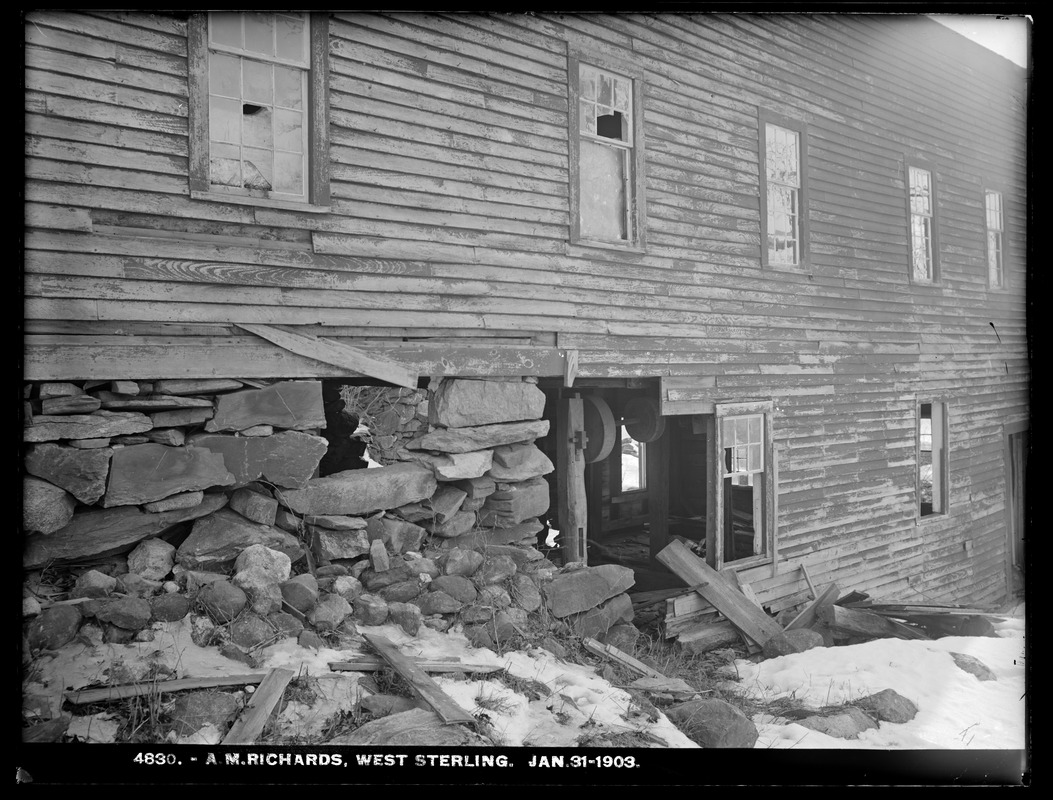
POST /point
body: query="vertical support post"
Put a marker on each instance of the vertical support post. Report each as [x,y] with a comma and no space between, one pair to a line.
[657,453]
[714,515]
[570,479]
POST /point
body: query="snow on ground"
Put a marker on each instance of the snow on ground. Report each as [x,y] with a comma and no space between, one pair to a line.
[956,710]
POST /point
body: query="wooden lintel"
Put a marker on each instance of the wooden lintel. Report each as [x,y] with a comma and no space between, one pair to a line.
[332,352]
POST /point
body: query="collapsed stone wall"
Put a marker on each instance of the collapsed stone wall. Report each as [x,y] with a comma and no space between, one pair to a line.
[203,498]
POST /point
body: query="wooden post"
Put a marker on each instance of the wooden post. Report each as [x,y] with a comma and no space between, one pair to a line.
[570,478]
[657,453]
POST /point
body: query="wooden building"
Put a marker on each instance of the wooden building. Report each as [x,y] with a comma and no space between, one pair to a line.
[773,265]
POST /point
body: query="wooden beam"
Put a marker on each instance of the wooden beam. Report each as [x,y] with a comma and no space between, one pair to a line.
[427,689]
[108,693]
[369,663]
[656,457]
[809,613]
[249,725]
[570,479]
[626,660]
[857,622]
[331,352]
[808,580]
[713,586]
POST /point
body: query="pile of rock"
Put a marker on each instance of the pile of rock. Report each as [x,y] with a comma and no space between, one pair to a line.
[118,473]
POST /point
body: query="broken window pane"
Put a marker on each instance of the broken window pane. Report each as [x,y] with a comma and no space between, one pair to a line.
[603,187]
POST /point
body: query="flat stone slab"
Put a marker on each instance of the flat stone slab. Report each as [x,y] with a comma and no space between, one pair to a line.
[100,425]
[583,589]
[80,404]
[93,534]
[218,539]
[181,417]
[460,403]
[456,466]
[147,472]
[287,459]
[295,405]
[508,507]
[203,386]
[480,437]
[360,491]
[519,462]
[154,402]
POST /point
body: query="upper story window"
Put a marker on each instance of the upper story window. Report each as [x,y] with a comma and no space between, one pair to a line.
[258,107]
[995,266]
[606,155]
[922,203]
[782,194]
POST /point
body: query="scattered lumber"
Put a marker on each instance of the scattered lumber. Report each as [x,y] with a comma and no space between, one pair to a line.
[371,663]
[857,622]
[108,693]
[652,682]
[713,586]
[809,613]
[621,657]
[249,725]
[710,636]
[425,688]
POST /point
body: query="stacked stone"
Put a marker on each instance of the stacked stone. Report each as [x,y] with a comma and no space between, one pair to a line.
[392,416]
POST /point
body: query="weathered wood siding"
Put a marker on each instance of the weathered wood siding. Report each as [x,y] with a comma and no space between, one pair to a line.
[449,165]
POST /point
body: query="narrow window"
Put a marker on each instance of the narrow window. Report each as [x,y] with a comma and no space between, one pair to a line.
[782,178]
[932,459]
[995,267]
[922,258]
[258,107]
[606,195]
[633,463]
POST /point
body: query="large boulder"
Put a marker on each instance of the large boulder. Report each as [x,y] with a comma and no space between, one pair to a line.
[583,589]
[599,620]
[54,628]
[147,472]
[294,405]
[714,723]
[480,437]
[46,508]
[887,705]
[218,539]
[846,724]
[287,459]
[82,473]
[459,403]
[360,491]
[95,534]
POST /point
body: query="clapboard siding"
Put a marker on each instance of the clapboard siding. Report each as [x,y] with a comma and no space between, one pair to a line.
[450,217]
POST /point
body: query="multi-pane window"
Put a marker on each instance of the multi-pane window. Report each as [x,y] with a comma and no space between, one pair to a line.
[607,197]
[782,172]
[258,107]
[923,264]
[932,459]
[995,267]
[742,439]
[258,66]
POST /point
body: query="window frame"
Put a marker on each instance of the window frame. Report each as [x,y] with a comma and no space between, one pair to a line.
[715,515]
[317,198]
[764,119]
[933,217]
[941,477]
[616,487]
[635,194]
[1004,283]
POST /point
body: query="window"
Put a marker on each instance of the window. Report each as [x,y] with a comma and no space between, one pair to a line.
[995,267]
[922,225]
[783,199]
[259,128]
[932,459]
[744,520]
[606,155]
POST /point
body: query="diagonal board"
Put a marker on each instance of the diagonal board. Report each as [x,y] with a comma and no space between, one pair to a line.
[250,724]
[428,690]
[713,586]
[110,693]
[332,352]
[370,663]
[809,614]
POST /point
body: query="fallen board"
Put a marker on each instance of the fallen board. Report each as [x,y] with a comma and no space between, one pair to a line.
[427,689]
[809,613]
[106,693]
[370,663]
[713,586]
[857,622]
[249,725]
[626,660]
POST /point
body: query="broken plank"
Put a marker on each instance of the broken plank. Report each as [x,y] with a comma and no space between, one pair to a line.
[808,580]
[713,586]
[427,689]
[249,725]
[626,660]
[107,693]
[369,663]
[337,353]
[809,613]
[857,622]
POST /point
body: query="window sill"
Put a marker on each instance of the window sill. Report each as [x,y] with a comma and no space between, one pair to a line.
[581,247]
[746,563]
[260,202]
[929,519]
